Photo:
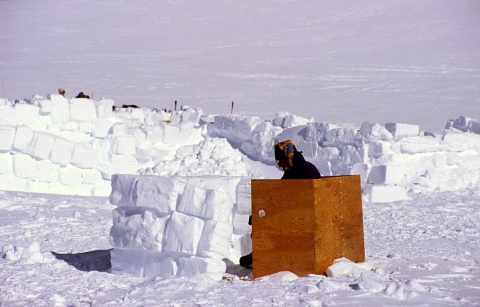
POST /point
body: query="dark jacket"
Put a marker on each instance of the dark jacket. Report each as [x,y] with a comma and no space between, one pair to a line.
[301,169]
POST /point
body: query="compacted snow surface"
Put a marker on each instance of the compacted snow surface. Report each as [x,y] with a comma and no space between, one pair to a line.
[419,252]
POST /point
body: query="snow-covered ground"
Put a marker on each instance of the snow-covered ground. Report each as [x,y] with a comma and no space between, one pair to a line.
[337,61]
[423,252]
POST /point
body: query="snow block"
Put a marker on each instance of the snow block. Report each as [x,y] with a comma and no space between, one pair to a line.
[124,190]
[137,227]
[316,132]
[7,113]
[206,203]
[26,113]
[41,145]
[340,136]
[24,166]
[123,164]
[240,224]
[459,141]
[370,132]
[417,144]
[192,266]
[60,109]
[402,130]
[244,196]
[70,176]
[82,110]
[362,170]
[385,193]
[141,263]
[84,156]
[386,174]
[183,233]
[161,193]
[101,128]
[104,108]
[6,164]
[123,145]
[62,150]
[7,136]
[376,149]
[215,240]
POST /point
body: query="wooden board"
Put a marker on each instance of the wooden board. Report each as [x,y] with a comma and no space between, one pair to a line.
[303,225]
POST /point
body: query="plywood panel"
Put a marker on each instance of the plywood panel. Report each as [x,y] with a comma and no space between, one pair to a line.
[306,224]
[283,238]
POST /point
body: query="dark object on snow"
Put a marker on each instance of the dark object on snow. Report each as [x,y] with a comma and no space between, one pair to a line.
[98,260]
[130,106]
[246,261]
[82,95]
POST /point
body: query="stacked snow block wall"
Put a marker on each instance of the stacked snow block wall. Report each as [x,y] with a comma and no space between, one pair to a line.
[392,159]
[73,146]
[177,225]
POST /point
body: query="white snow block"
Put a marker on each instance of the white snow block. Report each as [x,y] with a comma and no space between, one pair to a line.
[123,145]
[372,132]
[7,113]
[6,163]
[47,171]
[45,106]
[104,108]
[244,196]
[386,174]
[7,135]
[376,149]
[91,176]
[70,176]
[141,263]
[183,233]
[215,268]
[340,136]
[60,109]
[362,170]
[215,240]
[23,138]
[460,141]
[82,110]
[417,144]
[84,156]
[119,128]
[401,130]
[240,224]
[17,184]
[62,150]
[41,145]
[124,190]
[385,193]
[123,164]
[206,203]
[26,113]
[24,166]
[101,128]
[137,227]
[161,193]
[294,120]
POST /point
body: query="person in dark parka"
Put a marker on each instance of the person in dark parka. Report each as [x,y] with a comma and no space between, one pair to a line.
[294,165]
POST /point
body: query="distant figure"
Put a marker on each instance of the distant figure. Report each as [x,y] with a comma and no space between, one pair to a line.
[82,95]
[130,106]
[294,165]
[61,91]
